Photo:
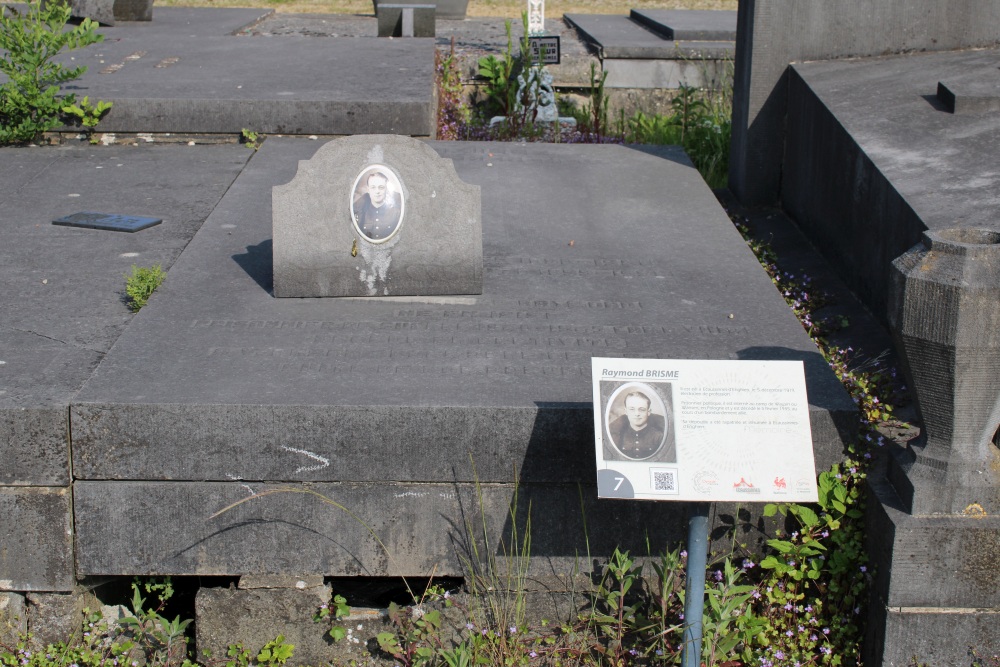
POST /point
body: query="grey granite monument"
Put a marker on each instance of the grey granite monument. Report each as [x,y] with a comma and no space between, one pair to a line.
[944,308]
[377,215]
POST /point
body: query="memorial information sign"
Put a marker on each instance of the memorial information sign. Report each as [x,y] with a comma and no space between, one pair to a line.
[671,429]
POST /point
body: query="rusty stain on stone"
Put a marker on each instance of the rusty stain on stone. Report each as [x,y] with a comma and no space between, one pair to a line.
[975,511]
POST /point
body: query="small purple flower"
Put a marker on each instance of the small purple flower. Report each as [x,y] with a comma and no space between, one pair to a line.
[684,554]
[779,655]
[813,637]
[788,606]
[863,568]
[809,608]
[756,595]
[512,629]
[826,631]
[469,626]
[533,655]
[718,575]
[788,633]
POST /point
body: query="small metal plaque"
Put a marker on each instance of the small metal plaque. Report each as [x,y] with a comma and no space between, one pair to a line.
[109,221]
[545,49]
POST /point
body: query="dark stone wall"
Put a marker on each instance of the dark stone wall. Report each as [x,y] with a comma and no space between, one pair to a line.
[773,33]
[841,200]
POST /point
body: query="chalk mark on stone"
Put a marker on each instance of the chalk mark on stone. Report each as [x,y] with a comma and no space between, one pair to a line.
[323,462]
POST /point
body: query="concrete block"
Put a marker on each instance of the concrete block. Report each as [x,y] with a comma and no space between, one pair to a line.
[13,618]
[400,20]
[54,617]
[377,215]
[981,96]
[703,25]
[256,616]
[36,530]
[773,33]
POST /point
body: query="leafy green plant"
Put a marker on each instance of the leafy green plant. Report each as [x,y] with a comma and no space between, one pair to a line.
[335,610]
[251,139]
[161,640]
[141,283]
[30,102]
[87,114]
[273,654]
[417,637]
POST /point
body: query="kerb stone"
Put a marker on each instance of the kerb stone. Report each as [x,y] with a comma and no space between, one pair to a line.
[36,530]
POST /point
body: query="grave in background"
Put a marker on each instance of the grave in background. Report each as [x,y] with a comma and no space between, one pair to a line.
[866,154]
[398,407]
[197,71]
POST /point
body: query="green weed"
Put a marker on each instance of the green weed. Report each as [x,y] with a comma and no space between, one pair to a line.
[141,283]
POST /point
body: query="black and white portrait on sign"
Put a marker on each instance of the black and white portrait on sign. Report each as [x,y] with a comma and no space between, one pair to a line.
[377,203]
[638,419]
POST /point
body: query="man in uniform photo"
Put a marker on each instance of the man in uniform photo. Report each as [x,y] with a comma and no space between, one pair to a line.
[377,211]
[638,433]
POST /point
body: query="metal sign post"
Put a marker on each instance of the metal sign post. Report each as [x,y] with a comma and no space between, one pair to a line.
[694,597]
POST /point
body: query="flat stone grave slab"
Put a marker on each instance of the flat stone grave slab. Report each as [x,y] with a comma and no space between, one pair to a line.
[617,36]
[943,164]
[689,24]
[179,74]
[398,407]
[63,303]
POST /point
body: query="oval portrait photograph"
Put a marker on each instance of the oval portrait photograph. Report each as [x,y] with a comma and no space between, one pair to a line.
[377,203]
[638,421]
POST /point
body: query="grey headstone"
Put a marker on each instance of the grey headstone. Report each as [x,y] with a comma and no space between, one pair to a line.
[428,240]
[102,11]
[399,20]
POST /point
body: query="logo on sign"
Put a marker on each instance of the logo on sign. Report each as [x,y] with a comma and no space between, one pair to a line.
[743,486]
[705,481]
[780,486]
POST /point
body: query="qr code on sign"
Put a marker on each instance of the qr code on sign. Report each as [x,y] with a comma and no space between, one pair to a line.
[664,481]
